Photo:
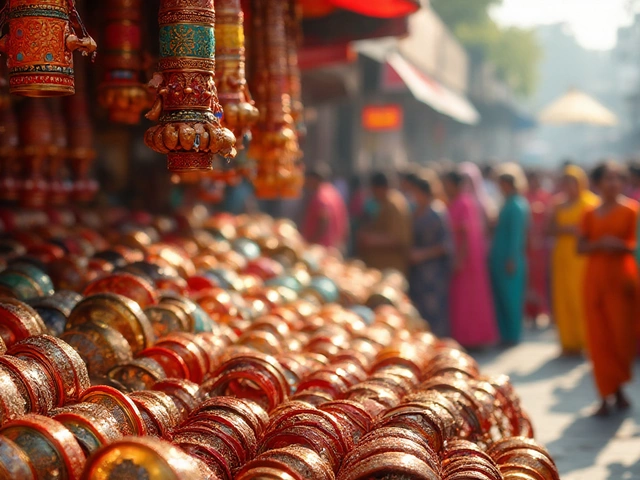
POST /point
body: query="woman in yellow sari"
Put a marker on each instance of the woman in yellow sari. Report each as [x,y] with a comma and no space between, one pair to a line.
[567,265]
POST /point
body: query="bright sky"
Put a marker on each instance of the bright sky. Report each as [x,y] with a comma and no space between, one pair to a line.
[594,22]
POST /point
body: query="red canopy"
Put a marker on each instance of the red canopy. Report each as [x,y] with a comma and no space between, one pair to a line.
[370,8]
[379,8]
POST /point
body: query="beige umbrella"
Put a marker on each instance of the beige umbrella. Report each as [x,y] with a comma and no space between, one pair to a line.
[576,107]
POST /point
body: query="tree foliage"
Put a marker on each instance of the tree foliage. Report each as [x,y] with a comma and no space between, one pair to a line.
[515,52]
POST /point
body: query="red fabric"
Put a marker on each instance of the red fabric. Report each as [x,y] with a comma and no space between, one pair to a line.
[327,202]
[538,254]
[379,8]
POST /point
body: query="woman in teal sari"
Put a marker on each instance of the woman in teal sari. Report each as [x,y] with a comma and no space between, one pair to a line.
[508,257]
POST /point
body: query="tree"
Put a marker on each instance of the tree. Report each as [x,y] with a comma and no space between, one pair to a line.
[515,52]
[461,12]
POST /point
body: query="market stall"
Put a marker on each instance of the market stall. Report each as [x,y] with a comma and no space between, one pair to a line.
[197,346]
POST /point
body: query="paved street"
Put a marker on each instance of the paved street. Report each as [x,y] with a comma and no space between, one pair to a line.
[559,395]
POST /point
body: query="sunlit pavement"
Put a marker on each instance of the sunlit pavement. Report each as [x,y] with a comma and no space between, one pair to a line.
[559,395]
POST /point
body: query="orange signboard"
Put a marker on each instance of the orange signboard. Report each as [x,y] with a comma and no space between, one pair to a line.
[380,118]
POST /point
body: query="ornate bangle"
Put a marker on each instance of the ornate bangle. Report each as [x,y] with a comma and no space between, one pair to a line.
[100,347]
[121,407]
[14,462]
[63,363]
[92,425]
[33,381]
[118,312]
[159,413]
[144,457]
[134,287]
[49,445]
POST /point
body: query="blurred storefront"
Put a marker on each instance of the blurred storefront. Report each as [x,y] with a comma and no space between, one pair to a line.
[448,108]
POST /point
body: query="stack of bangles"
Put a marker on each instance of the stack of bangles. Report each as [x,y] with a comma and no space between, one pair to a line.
[230,350]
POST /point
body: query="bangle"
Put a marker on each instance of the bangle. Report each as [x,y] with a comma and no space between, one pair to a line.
[166,319]
[172,363]
[184,394]
[146,457]
[91,424]
[55,310]
[118,312]
[262,341]
[207,449]
[100,347]
[158,411]
[193,354]
[138,374]
[390,463]
[121,407]
[250,412]
[34,383]
[12,403]
[223,441]
[131,286]
[18,321]
[295,460]
[62,362]
[269,383]
[49,445]
[14,462]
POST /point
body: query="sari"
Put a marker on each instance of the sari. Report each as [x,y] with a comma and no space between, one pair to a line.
[567,266]
[611,296]
[472,314]
[509,247]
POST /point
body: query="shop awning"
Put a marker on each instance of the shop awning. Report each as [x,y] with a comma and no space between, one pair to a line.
[370,8]
[423,87]
[433,93]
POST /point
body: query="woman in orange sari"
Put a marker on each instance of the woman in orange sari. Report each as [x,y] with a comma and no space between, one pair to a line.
[608,238]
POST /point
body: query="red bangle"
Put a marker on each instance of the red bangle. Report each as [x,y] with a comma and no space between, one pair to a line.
[250,412]
[121,407]
[12,403]
[208,450]
[144,458]
[184,393]
[134,287]
[49,445]
[93,425]
[158,411]
[19,321]
[172,363]
[62,362]
[297,461]
[263,370]
[193,354]
[34,383]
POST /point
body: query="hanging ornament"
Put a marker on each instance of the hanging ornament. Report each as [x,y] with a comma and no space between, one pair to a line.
[43,34]
[36,138]
[187,107]
[81,151]
[295,183]
[121,91]
[240,112]
[275,148]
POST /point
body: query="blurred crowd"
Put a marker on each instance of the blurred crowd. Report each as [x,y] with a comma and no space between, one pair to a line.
[488,250]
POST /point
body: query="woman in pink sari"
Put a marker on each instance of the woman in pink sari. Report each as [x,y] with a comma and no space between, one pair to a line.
[473,322]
